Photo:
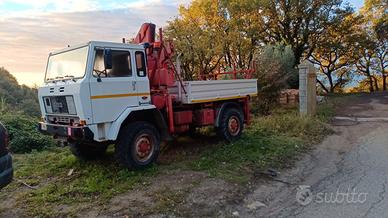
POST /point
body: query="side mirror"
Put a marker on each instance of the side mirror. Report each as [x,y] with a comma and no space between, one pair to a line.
[108,59]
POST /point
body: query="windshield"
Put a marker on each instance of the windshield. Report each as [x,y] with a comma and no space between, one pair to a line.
[70,64]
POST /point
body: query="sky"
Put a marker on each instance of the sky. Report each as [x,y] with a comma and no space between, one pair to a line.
[31,29]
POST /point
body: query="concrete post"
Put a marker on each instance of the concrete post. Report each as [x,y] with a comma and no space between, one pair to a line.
[307,89]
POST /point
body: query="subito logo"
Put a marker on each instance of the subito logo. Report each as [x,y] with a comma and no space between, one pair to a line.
[304,196]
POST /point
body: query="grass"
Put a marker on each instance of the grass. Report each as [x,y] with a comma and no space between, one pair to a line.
[271,141]
[89,182]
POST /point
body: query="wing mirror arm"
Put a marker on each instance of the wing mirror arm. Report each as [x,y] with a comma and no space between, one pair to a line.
[108,59]
[108,63]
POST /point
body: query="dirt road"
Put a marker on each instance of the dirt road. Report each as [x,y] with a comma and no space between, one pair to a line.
[345,176]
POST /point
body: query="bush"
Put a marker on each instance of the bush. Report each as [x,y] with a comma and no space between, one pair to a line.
[274,70]
[24,134]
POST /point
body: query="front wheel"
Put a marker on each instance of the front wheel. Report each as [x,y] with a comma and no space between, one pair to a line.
[138,145]
[231,124]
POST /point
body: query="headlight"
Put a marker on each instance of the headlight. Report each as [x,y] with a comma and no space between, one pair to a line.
[47,105]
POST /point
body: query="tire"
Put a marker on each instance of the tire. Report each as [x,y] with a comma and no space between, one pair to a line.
[231,124]
[86,151]
[138,145]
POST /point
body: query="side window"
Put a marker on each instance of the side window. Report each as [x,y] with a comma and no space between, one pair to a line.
[121,64]
[140,64]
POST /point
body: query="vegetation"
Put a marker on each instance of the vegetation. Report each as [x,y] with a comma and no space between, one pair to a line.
[14,97]
[275,68]
[272,140]
[19,111]
[24,134]
[59,178]
[346,45]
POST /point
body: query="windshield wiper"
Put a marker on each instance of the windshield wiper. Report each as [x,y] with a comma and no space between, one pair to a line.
[70,77]
[59,77]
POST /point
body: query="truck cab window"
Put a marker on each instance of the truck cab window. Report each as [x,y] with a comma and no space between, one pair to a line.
[140,64]
[121,64]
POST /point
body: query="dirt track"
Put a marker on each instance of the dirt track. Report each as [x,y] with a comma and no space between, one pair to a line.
[345,176]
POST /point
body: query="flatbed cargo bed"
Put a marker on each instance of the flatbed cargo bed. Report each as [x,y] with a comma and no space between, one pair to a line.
[214,90]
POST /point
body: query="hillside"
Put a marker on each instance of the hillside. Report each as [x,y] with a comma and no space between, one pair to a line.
[15,97]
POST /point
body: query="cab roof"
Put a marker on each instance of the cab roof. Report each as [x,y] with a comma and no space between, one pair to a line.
[102,45]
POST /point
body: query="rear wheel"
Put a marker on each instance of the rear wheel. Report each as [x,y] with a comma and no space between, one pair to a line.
[231,124]
[87,151]
[138,145]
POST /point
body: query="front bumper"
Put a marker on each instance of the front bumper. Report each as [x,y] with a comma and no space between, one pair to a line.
[72,132]
[6,170]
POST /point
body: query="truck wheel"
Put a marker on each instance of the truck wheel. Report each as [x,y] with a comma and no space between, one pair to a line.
[138,145]
[231,124]
[86,151]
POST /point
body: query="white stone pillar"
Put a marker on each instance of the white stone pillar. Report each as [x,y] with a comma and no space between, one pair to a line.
[307,89]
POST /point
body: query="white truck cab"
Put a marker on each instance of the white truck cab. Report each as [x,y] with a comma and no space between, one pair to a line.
[78,89]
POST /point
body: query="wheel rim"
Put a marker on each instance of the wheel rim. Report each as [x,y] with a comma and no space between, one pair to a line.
[234,125]
[144,147]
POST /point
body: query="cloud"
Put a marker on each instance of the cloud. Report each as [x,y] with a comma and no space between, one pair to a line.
[25,42]
[28,8]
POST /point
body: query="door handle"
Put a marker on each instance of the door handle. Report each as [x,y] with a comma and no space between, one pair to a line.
[134,85]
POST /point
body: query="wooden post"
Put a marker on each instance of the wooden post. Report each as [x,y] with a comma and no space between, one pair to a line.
[307,89]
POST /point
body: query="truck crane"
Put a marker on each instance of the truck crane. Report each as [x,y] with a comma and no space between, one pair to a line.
[132,95]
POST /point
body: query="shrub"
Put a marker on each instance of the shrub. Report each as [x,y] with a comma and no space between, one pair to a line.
[274,70]
[24,134]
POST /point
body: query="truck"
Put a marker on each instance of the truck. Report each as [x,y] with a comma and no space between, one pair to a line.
[132,95]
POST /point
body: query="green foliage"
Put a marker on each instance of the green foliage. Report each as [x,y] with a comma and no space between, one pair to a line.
[19,112]
[274,71]
[211,34]
[14,97]
[335,53]
[24,134]
[271,141]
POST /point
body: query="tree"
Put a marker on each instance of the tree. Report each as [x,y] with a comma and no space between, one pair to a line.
[334,53]
[365,62]
[275,67]
[212,33]
[376,19]
[372,47]
[382,57]
[198,35]
[299,23]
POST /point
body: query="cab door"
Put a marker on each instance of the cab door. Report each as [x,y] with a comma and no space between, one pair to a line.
[112,90]
[142,81]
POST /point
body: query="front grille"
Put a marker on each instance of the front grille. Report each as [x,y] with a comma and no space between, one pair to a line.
[59,105]
[63,120]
